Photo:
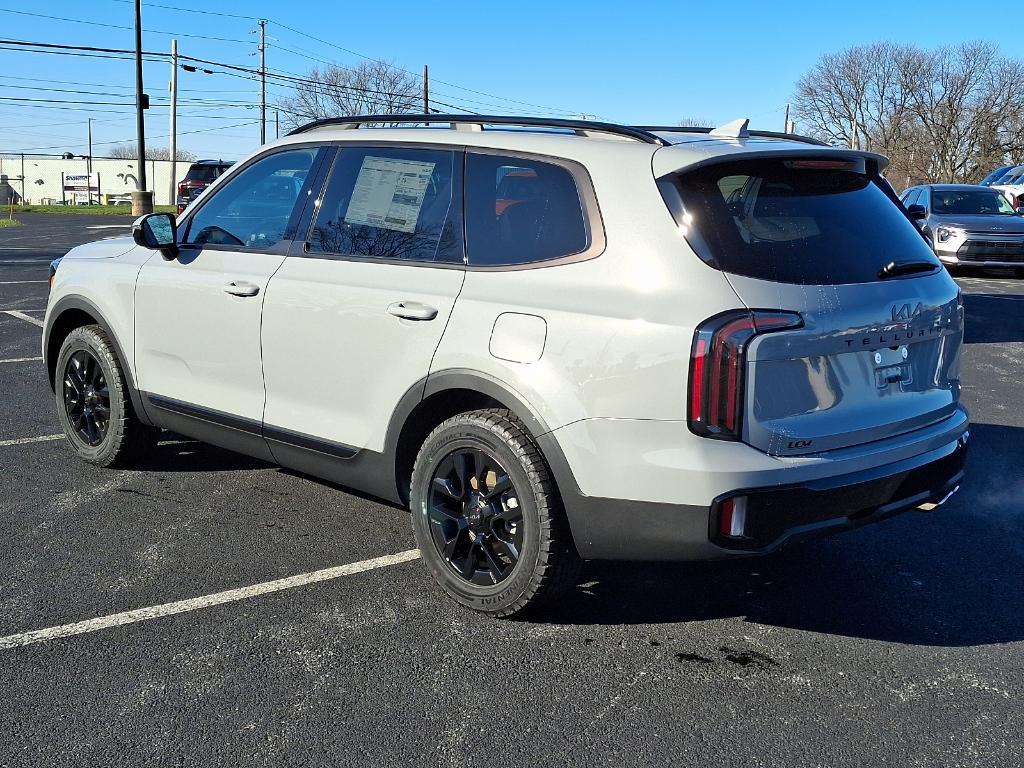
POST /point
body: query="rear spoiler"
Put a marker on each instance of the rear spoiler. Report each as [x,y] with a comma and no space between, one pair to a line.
[680,158]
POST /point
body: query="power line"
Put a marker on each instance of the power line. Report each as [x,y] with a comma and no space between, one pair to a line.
[126,141]
[357,54]
[121,26]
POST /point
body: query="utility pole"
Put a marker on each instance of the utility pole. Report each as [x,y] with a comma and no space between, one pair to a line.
[785,123]
[263,81]
[277,123]
[173,148]
[426,90]
[88,164]
[142,200]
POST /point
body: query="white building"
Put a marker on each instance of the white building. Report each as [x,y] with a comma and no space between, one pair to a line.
[45,180]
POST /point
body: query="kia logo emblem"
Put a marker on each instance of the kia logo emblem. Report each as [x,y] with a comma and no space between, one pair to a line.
[908,311]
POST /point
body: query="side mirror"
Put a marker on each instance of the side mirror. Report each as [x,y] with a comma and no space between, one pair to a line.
[917,212]
[158,232]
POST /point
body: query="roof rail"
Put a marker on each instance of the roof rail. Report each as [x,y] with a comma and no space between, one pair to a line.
[757,134]
[477,122]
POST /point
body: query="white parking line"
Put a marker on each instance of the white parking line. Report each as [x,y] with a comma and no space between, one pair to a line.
[207,601]
[23,440]
[21,282]
[109,226]
[20,360]
[22,316]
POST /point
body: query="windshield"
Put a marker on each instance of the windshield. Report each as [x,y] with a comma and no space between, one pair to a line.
[970,202]
[1009,178]
[997,174]
[789,222]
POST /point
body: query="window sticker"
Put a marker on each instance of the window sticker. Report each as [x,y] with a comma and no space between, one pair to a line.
[389,193]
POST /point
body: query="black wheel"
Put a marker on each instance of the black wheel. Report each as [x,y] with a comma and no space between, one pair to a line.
[487,517]
[93,403]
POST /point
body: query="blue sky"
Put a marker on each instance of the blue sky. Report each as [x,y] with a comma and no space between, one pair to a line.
[646,62]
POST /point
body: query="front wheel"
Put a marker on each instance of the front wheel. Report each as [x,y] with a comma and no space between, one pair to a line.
[486,515]
[93,402]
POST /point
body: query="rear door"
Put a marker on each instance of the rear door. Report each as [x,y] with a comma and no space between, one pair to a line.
[353,317]
[878,352]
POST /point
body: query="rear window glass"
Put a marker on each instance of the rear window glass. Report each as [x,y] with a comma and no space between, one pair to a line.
[391,203]
[206,173]
[521,211]
[768,220]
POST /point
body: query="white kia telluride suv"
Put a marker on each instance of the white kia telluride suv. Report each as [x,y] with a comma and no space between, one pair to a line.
[553,340]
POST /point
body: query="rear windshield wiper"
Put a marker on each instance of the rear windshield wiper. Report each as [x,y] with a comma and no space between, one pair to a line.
[892,269]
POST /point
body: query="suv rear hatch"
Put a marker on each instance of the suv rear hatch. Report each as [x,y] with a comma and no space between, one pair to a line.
[821,234]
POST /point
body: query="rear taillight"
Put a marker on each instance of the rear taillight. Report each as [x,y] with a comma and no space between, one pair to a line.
[718,368]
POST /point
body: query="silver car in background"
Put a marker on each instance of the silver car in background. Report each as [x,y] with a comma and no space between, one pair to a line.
[968,225]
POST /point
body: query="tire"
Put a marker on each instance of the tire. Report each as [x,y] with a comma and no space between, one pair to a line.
[92,391]
[464,529]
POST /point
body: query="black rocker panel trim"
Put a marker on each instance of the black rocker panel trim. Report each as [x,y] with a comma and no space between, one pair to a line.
[205,414]
[252,427]
[301,440]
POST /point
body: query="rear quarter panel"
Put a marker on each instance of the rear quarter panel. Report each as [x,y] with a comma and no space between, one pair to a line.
[619,326]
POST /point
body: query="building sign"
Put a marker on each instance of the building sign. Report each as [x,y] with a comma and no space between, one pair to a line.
[82,187]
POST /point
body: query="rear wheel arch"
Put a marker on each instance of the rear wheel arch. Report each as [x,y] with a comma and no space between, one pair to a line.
[441,396]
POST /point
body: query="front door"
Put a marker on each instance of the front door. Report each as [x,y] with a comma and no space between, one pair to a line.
[197,317]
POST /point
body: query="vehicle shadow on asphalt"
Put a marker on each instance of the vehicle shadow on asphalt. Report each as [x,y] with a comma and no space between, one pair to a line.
[175,453]
[948,578]
[991,318]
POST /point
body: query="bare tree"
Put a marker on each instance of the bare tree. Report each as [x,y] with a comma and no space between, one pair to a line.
[129,152]
[695,122]
[943,115]
[372,87]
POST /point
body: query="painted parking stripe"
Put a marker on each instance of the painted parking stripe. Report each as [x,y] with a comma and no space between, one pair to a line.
[20,360]
[22,316]
[207,601]
[24,440]
[21,282]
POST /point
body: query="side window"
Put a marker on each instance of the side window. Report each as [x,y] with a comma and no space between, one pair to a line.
[252,210]
[924,198]
[521,211]
[391,203]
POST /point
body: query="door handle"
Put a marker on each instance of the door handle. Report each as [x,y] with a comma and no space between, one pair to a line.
[412,310]
[241,288]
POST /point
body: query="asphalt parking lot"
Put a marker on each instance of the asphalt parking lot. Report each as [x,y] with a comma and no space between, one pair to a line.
[898,644]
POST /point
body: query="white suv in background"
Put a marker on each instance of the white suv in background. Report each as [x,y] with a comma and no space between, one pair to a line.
[553,340]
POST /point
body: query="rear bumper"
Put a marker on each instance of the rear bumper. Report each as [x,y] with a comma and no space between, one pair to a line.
[794,501]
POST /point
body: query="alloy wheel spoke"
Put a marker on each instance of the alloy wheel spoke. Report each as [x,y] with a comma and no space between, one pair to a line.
[467,568]
[510,548]
[464,472]
[447,487]
[494,566]
[480,470]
